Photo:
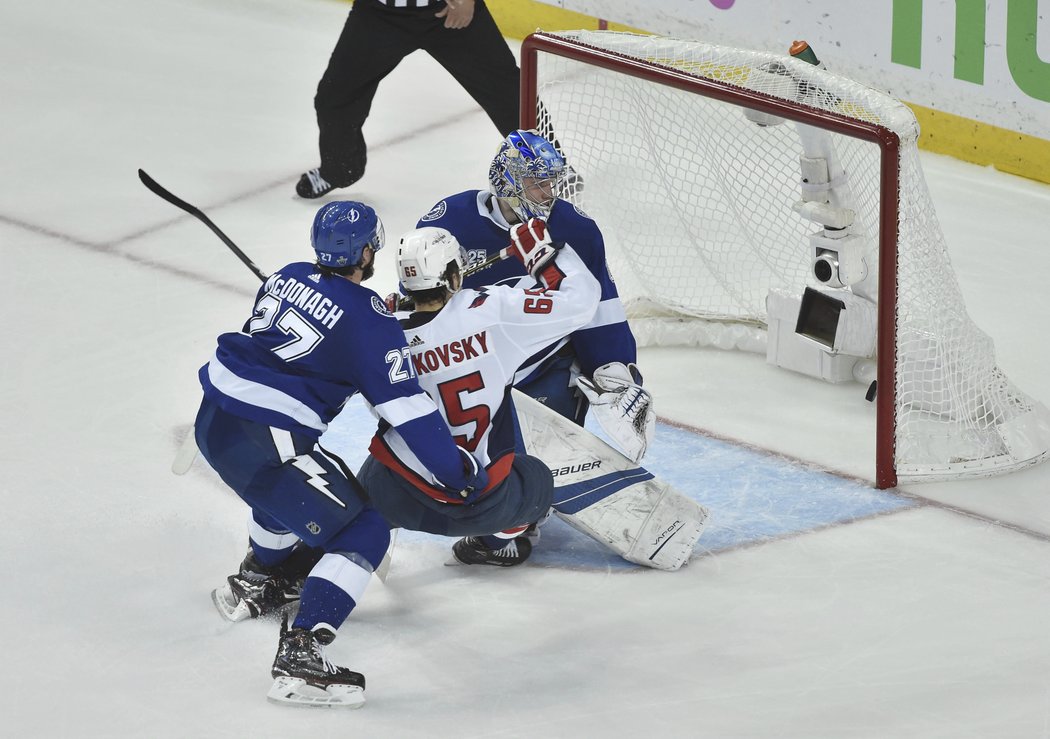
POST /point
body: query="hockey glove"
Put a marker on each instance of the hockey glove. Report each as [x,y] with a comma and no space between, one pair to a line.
[622,407]
[397,302]
[477,478]
[530,244]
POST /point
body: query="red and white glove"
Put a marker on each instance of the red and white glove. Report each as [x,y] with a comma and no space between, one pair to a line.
[530,244]
[397,302]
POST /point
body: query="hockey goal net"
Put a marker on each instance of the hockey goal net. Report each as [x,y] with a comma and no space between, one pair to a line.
[693,160]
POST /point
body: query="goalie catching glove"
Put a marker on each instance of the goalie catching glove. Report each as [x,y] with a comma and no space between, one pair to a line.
[623,408]
[530,244]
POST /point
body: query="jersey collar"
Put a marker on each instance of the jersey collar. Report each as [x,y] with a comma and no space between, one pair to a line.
[488,208]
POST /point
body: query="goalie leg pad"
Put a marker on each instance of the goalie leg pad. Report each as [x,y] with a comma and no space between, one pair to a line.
[648,523]
[601,493]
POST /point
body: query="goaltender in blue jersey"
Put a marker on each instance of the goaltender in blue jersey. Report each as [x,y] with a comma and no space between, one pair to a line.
[315,338]
[594,367]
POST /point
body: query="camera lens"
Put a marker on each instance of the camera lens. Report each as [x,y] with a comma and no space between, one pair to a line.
[824,269]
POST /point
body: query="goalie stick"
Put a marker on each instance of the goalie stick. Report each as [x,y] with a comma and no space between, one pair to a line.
[197,213]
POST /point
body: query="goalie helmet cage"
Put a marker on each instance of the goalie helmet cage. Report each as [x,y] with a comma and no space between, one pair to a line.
[712,230]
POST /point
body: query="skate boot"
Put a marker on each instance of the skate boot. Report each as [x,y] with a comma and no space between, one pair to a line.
[258,591]
[472,551]
[304,676]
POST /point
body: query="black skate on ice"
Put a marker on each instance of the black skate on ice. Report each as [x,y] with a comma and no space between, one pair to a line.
[471,551]
[259,591]
[303,675]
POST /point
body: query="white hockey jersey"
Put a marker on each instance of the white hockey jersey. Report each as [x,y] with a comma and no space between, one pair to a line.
[465,357]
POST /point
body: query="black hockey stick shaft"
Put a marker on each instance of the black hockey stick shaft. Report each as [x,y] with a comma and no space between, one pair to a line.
[197,213]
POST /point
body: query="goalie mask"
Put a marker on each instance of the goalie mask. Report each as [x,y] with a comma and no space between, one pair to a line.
[341,231]
[527,173]
[428,258]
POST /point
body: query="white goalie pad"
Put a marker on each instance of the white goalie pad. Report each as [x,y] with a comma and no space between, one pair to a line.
[599,491]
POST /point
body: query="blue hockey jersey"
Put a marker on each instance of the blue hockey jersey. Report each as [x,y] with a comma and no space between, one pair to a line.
[312,342]
[474,218]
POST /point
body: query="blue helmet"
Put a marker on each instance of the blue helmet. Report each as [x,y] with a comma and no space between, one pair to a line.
[341,231]
[526,154]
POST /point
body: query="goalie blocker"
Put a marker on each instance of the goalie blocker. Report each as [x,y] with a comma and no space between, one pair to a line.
[602,493]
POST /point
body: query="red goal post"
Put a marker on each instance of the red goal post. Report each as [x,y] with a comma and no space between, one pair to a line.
[710,121]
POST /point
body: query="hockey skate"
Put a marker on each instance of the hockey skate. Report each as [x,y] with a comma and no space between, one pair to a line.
[303,676]
[472,551]
[259,591]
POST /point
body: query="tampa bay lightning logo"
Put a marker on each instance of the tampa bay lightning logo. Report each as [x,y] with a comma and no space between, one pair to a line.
[380,307]
[436,212]
[353,216]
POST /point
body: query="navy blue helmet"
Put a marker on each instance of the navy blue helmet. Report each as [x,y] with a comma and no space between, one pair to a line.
[527,172]
[341,231]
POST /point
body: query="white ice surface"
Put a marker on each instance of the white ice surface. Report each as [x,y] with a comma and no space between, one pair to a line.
[922,623]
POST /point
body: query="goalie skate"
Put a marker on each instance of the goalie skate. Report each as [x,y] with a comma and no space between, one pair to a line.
[303,675]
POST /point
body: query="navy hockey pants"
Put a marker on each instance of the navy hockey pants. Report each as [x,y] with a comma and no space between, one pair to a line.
[523,498]
[286,476]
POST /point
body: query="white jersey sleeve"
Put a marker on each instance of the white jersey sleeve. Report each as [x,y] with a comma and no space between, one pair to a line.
[532,319]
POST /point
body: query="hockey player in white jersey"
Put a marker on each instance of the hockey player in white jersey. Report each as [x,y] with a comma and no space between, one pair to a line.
[465,347]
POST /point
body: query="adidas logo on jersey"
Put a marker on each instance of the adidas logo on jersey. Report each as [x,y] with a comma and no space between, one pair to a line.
[315,277]
[416,341]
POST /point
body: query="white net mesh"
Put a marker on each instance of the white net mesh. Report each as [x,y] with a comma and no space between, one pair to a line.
[695,201]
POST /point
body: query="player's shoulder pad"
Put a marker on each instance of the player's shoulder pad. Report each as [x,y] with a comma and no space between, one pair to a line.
[568,210]
[569,225]
[367,302]
[447,205]
[477,297]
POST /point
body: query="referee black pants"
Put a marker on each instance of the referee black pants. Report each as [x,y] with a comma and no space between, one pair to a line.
[374,41]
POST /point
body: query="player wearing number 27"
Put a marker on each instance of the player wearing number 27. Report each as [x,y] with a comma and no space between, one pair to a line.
[466,346]
[596,366]
[315,338]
